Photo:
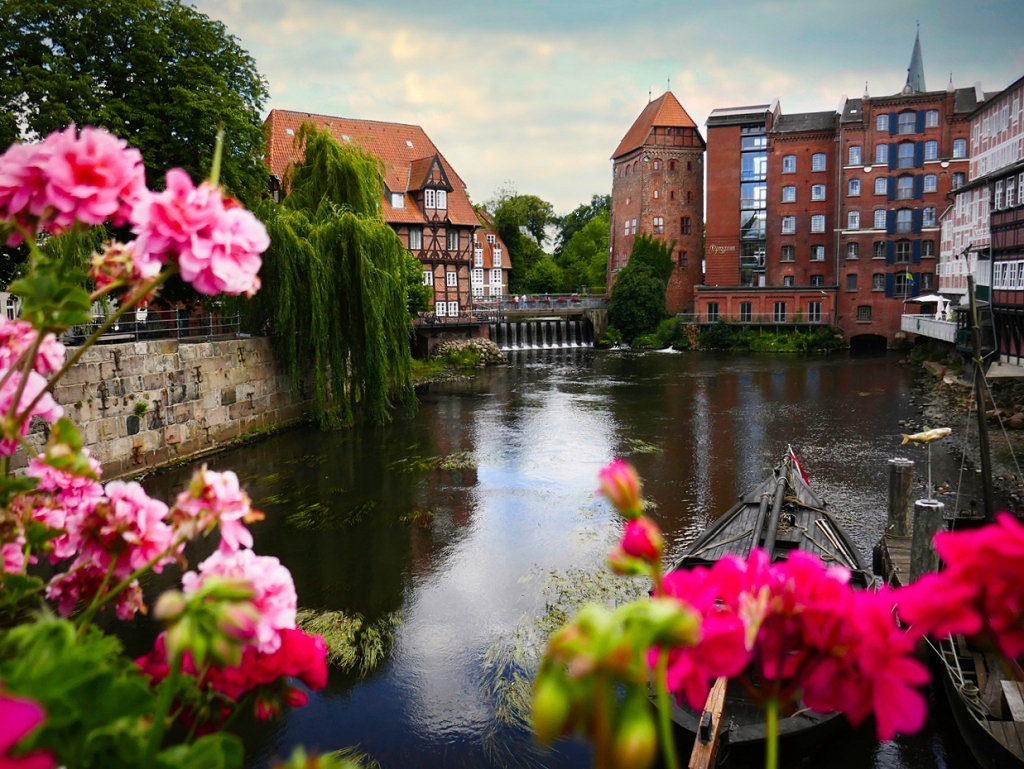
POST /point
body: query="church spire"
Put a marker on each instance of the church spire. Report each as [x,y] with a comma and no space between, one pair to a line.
[915,72]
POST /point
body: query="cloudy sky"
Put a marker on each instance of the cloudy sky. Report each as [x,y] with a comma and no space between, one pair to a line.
[538,93]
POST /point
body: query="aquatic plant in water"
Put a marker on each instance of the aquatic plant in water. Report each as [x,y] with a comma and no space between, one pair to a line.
[459,460]
[352,642]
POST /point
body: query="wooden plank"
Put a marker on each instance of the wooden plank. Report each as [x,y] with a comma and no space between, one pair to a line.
[981,671]
[961,645]
[1019,729]
[709,728]
[998,733]
[1011,691]
[1008,736]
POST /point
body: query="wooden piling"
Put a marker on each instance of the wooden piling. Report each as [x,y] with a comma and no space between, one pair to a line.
[901,506]
[927,521]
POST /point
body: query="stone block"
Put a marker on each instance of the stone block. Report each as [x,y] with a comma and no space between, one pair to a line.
[239,410]
[169,346]
[216,416]
[153,381]
[174,434]
[181,412]
[228,397]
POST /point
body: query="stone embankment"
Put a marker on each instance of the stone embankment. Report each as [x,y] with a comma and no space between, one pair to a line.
[488,351]
[144,404]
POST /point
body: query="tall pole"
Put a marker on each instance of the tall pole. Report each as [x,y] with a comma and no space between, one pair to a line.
[979,374]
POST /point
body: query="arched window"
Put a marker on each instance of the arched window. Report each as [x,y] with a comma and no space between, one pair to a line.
[657,164]
[689,196]
[671,165]
[689,165]
[636,166]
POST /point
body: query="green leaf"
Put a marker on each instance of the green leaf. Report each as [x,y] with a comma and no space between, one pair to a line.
[214,751]
[64,450]
[11,486]
[15,588]
[52,300]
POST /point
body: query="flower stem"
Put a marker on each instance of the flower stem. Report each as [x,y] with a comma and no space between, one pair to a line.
[668,743]
[97,602]
[771,733]
[163,707]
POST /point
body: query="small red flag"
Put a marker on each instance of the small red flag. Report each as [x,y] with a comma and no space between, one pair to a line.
[799,466]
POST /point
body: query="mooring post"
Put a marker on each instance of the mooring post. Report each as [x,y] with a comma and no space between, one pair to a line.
[901,505]
[927,521]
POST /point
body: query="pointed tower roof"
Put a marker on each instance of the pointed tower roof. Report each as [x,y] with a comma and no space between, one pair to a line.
[663,112]
[915,72]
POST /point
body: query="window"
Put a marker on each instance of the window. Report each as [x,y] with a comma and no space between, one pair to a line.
[495,279]
[927,281]
[683,261]
[878,281]
[960,148]
[440,309]
[453,309]
[746,312]
[814,311]
[788,225]
[905,188]
[958,181]
[428,277]
[478,257]
[854,188]
[634,227]
[881,185]
[817,253]
[928,219]
[879,220]
[496,258]
[903,250]
[904,220]
[818,161]
[657,165]
[684,225]
[712,312]
[672,195]
[882,123]
[817,192]
[451,279]
[905,155]
[999,195]
[931,118]
[492,239]
[788,254]
[817,280]
[818,223]
[397,200]
[864,313]
[1010,199]
[656,194]
[429,200]
[851,281]
[907,122]
[787,280]
[442,199]
[789,194]
[779,310]
[659,225]
[476,277]
[415,238]
[689,196]
[931,150]
[928,248]
[853,220]
[453,240]
[853,250]
[855,155]
[879,250]
[477,291]
[789,164]
[671,165]
[931,182]
[881,153]
[625,230]
[902,284]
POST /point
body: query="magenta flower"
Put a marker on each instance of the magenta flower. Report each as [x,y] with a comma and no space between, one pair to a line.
[132,524]
[12,556]
[69,500]
[642,539]
[17,336]
[18,717]
[23,186]
[274,591]
[47,408]
[621,485]
[81,583]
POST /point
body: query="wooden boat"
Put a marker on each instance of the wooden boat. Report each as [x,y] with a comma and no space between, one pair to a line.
[988,708]
[780,515]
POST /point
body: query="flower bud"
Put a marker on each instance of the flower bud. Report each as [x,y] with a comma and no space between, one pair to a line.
[238,620]
[551,708]
[676,624]
[225,653]
[642,539]
[636,738]
[228,589]
[170,605]
[625,565]
[179,637]
[621,485]
[267,709]
[295,697]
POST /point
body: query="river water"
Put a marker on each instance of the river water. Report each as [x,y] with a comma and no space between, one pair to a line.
[465,527]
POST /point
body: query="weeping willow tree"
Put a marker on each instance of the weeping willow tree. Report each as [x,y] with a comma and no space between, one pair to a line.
[334,278]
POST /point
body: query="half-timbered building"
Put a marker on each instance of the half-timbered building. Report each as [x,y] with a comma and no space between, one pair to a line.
[424,200]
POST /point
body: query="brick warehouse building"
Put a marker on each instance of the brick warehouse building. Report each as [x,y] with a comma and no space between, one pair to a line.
[852,200]
[658,190]
[424,200]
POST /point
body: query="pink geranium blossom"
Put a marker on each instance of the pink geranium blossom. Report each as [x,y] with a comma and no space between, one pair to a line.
[216,497]
[12,556]
[274,591]
[23,185]
[18,717]
[130,525]
[17,336]
[82,582]
[47,408]
[621,485]
[642,539]
[68,501]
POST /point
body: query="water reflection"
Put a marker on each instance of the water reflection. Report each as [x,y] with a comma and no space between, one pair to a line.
[441,516]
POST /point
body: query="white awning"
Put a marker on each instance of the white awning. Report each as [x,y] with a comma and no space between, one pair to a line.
[928,298]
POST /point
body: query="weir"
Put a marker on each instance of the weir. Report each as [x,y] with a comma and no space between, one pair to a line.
[556,334]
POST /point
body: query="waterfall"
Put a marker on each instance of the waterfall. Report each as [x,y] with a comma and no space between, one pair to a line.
[558,334]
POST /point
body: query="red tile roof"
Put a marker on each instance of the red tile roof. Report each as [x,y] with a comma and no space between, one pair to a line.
[664,112]
[398,145]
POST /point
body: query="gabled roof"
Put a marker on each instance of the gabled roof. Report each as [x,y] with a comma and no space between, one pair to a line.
[427,170]
[804,121]
[398,145]
[853,111]
[663,112]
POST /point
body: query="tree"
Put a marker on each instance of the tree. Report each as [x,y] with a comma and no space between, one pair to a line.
[545,277]
[513,213]
[655,254]
[417,294]
[638,298]
[157,73]
[336,277]
[576,220]
[584,260]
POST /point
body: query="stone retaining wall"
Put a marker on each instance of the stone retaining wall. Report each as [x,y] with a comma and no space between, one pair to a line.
[198,396]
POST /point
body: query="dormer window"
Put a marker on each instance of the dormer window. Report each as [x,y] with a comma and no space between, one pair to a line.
[491,239]
[442,199]
[429,199]
[397,200]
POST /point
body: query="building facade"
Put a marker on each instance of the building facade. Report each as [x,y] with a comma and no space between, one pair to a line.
[424,200]
[491,263]
[658,190]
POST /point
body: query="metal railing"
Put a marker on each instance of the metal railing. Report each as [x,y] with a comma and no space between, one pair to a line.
[158,324]
[560,302]
[930,326]
[754,319]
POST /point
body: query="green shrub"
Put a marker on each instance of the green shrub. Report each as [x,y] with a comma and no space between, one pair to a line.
[467,356]
[649,342]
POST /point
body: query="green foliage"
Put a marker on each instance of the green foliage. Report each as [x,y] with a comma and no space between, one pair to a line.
[157,73]
[466,357]
[726,336]
[638,301]
[584,258]
[417,295]
[580,217]
[335,277]
[141,407]
[611,337]
[654,254]
[512,211]
[352,642]
[545,277]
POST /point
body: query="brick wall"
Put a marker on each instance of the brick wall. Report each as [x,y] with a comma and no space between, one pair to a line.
[198,396]
[722,256]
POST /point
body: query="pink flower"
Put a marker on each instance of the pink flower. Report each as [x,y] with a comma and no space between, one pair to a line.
[216,242]
[12,556]
[23,185]
[274,591]
[46,408]
[18,717]
[213,496]
[642,539]
[82,582]
[70,500]
[131,524]
[621,485]
[17,336]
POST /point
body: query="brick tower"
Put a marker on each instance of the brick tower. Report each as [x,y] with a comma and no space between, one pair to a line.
[658,190]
